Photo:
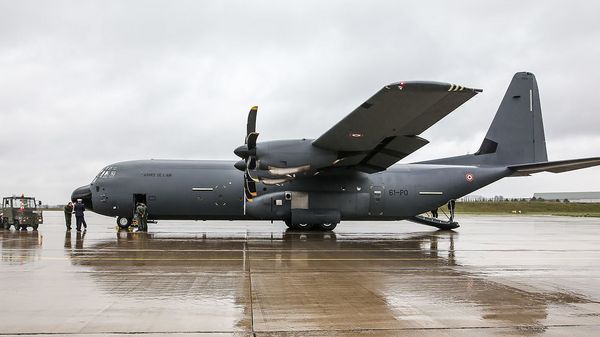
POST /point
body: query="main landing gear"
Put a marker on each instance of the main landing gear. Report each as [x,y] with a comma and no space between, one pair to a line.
[323,227]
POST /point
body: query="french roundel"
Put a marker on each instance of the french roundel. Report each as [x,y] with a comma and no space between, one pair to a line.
[469,177]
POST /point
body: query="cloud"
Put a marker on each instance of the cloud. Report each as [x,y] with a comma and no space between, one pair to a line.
[85,84]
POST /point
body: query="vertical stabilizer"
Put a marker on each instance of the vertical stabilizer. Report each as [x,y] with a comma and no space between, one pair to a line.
[516,135]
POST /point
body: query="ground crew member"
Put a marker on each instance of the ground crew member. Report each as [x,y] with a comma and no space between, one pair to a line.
[145,217]
[451,207]
[79,209]
[434,213]
[141,212]
[68,215]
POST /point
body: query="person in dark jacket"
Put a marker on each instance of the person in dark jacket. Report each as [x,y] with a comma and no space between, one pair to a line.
[79,209]
[142,215]
[68,215]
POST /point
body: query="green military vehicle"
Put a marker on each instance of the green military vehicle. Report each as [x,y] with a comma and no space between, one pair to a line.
[21,212]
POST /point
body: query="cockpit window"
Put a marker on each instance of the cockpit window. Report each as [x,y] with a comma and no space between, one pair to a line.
[107,172]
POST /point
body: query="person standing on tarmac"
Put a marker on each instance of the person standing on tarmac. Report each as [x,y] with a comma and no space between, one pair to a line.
[141,212]
[79,209]
[68,215]
[451,208]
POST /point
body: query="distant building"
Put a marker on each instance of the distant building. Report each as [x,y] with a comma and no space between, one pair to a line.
[571,196]
[472,198]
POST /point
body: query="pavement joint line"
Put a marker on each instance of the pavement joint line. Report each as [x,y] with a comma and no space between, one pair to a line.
[247,256]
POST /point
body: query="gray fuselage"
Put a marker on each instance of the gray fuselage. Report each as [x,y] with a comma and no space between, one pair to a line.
[213,190]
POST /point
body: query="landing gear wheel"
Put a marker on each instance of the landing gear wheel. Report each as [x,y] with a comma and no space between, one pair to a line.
[303,226]
[327,226]
[123,222]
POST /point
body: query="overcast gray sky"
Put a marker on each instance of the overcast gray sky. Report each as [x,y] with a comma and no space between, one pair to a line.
[87,83]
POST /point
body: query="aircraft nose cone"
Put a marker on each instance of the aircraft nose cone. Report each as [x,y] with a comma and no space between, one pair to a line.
[85,194]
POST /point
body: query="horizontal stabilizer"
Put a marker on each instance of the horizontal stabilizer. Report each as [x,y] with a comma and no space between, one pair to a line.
[554,166]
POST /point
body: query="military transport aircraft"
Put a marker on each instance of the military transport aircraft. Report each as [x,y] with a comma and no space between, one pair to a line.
[346,173]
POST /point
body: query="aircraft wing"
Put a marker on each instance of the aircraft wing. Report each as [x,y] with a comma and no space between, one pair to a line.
[385,128]
[554,166]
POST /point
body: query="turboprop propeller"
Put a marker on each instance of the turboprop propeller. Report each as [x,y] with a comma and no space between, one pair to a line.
[248,154]
[277,162]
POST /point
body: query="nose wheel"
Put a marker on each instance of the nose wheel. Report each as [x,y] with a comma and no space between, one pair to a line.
[123,222]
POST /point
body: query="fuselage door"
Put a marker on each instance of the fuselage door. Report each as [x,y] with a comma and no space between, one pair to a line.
[376,204]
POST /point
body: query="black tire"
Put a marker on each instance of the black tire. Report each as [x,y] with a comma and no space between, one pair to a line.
[327,226]
[303,226]
[24,228]
[35,227]
[123,222]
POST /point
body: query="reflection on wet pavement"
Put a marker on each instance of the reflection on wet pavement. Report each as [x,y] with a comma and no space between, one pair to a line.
[537,276]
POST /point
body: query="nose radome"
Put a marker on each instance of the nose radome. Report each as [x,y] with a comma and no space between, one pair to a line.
[85,194]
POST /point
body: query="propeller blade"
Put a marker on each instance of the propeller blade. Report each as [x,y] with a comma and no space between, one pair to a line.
[251,140]
[255,179]
[249,187]
[251,163]
[251,126]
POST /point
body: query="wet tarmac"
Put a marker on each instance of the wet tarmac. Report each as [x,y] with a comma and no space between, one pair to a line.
[494,276]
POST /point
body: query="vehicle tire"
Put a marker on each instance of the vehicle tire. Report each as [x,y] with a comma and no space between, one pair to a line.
[303,226]
[24,228]
[123,222]
[327,226]
[35,227]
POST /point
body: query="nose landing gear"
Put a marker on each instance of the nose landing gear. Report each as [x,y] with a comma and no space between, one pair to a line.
[123,222]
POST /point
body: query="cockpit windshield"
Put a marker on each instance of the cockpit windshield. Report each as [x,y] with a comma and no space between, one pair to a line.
[107,172]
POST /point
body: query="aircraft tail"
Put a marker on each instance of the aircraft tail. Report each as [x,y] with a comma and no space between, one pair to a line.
[516,135]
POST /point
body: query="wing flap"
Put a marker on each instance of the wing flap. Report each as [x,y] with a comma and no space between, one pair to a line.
[385,154]
[554,166]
